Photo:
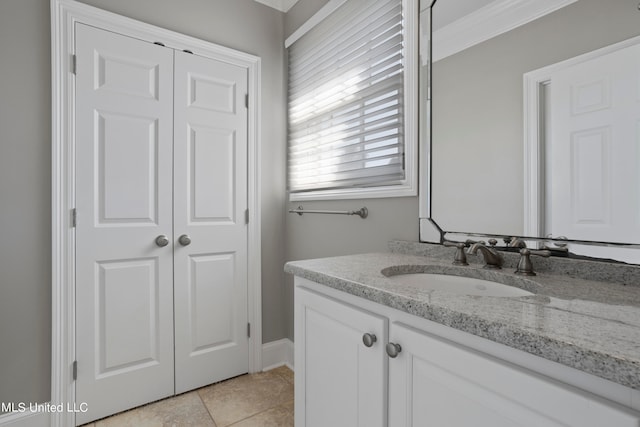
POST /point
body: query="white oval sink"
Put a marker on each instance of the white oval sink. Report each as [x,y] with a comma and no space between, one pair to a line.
[459,285]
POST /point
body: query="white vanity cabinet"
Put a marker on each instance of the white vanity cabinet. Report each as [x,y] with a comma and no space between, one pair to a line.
[432,381]
[341,381]
[436,382]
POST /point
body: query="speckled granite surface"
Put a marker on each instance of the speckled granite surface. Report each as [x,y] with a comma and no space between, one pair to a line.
[591,325]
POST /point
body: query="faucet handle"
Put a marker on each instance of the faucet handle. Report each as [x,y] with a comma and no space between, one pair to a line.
[543,253]
[460,257]
[515,242]
[470,242]
[525,267]
[557,246]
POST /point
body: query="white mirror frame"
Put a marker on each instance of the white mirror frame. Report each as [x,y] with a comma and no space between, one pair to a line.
[429,231]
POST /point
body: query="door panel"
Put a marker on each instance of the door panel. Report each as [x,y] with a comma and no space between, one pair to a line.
[127,169]
[210,196]
[124,281]
[590,181]
[132,76]
[593,153]
[211,301]
[436,382]
[212,154]
[127,291]
[340,382]
[214,94]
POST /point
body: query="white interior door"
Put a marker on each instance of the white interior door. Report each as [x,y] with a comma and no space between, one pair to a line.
[124,280]
[210,193]
[592,156]
[161,264]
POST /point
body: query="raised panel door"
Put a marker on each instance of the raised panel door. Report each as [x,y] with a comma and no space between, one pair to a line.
[210,196]
[593,153]
[124,280]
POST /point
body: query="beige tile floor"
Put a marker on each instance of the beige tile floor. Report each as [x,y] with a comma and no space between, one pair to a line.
[254,400]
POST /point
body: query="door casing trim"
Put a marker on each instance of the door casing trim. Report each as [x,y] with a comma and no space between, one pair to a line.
[64,15]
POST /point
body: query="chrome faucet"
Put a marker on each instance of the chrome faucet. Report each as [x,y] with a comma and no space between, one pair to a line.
[492,258]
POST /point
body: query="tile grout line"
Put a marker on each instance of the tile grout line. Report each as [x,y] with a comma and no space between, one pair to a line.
[277,374]
[256,414]
[281,404]
[206,407]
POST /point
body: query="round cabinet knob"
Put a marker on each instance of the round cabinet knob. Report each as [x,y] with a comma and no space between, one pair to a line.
[162,240]
[369,339]
[393,350]
[184,240]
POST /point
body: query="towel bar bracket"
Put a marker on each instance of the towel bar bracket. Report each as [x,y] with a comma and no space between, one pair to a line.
[362,212]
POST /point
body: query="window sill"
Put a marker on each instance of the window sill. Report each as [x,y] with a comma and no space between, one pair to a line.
[401,190]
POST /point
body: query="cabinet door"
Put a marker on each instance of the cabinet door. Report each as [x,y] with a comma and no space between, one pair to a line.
[339,380]
[434,382]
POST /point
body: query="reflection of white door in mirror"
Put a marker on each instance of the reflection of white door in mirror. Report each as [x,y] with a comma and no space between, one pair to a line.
[591,128]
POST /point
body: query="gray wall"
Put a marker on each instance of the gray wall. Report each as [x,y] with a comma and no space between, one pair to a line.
[317,236]
[25,184]
[25,200]
[478,111]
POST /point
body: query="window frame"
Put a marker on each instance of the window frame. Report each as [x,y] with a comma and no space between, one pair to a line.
[407,187]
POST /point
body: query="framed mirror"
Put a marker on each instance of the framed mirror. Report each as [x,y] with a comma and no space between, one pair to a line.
[498,156]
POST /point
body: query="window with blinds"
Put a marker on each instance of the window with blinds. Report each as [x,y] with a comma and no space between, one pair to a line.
[346,100]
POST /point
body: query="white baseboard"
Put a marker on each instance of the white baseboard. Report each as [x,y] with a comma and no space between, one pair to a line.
[277,353]
[25,419]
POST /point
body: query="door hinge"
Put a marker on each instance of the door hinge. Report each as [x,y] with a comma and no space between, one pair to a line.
[74,217]
[74,370]
[73,64]
[248,330]
[246,101]
[246,216]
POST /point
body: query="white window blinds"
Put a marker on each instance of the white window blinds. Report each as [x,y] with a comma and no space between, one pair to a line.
[346,99]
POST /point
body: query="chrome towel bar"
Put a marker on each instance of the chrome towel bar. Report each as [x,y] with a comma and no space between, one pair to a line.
[362,212]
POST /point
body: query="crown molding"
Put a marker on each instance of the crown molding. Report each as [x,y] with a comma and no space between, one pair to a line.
[317,18]
[281,5]
[490,21]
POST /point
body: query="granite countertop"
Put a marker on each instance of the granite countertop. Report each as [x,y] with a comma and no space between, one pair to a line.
[590,325]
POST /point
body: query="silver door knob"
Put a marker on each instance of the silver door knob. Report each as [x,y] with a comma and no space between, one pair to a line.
[369,339]
[184,240]
[393,350]
[162,240]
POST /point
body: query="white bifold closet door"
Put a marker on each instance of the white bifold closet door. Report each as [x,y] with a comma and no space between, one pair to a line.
[161,239]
